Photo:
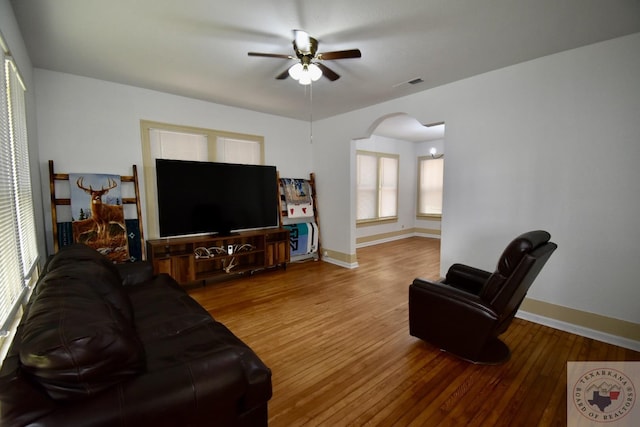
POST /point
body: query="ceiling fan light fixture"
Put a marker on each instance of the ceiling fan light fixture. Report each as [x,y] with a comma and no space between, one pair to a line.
[296,71]
[314,72]
[305,74]
[305,77]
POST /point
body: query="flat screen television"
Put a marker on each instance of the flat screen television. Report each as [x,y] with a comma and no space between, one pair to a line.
[209,197]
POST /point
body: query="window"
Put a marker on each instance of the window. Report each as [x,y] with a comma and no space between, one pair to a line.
[166,141]
[166,144]
[376,186]
[19,250]
[430,178]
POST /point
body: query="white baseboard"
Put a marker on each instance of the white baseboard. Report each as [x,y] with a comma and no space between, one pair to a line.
[580,330]
[428,235]
[340,263]
[390,237]
[382,240]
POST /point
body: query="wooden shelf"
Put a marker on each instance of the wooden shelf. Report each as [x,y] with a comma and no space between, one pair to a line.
[286,221]
[204,258]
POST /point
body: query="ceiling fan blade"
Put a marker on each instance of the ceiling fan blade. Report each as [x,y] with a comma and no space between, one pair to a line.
[283,75]
[328,72]
[270,55]
[340,54]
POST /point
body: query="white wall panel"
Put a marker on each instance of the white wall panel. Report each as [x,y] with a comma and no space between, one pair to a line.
[88,125]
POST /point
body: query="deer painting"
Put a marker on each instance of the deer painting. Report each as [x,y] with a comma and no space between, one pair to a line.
[102,214]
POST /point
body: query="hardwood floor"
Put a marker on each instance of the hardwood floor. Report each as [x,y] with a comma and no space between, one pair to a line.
[338,343]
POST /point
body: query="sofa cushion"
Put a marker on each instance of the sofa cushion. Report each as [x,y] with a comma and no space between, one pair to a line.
[80,262]
[76,344]
[78,336]
[177,331]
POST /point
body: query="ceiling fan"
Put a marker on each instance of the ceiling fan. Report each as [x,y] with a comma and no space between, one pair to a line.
[309,68]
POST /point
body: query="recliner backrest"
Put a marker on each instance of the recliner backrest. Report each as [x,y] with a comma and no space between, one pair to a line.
[517,268]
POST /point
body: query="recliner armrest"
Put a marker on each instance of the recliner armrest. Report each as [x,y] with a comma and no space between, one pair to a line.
[467,278]
[443,295]
[133,273]
[450,318]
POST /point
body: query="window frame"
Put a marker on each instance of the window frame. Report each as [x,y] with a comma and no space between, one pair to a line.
[212,135]
[378,219]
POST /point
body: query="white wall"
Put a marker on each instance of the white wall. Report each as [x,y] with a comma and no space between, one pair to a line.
[88,125]
[552,143]
[556,147]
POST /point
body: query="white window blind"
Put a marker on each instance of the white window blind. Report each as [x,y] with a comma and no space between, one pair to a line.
[376,186]
[178,145]
[431,173]
[367,186]
[18,246]
[388,187]
[166,144]
[22,171]
[232,150]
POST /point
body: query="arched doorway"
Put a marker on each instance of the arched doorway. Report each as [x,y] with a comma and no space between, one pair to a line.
[402,137]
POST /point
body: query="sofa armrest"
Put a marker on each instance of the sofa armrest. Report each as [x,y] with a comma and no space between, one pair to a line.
[208,390]
[133,273]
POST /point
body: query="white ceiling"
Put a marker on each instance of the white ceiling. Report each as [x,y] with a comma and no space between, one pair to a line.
[198,48]
[405,127]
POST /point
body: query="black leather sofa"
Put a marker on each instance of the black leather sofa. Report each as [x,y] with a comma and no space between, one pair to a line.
[112,345]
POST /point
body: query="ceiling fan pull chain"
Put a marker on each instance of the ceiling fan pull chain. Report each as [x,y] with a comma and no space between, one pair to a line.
[311,113]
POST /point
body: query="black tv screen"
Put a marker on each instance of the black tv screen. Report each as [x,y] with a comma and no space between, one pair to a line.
[208,197]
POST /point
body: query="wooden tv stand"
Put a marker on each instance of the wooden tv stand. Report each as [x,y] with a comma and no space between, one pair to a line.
[203,258]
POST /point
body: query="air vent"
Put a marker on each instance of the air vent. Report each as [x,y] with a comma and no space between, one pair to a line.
[415,81]
[430,125]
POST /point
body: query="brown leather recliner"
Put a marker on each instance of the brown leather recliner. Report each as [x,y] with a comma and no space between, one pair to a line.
[466,311]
